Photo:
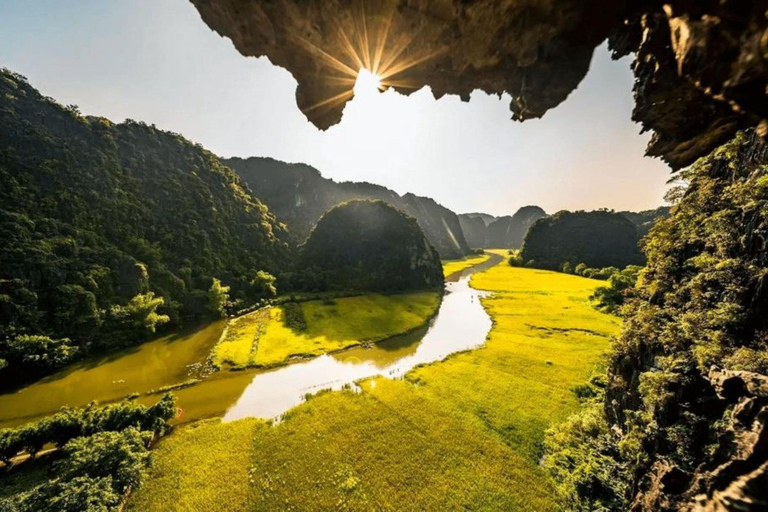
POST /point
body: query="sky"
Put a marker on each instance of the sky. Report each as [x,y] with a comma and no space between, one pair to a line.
[156,61]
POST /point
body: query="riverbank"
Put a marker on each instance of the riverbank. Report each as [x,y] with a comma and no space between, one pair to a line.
[277,335]
[451,267]
[463,432]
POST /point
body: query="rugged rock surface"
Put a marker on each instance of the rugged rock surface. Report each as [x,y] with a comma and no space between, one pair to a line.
[701,66]
[736,477]
[508,232]
[475,230]
[371,246]
[299,196]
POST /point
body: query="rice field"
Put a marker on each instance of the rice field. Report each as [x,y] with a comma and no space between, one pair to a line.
[274,336]
[453,266]
[464,433]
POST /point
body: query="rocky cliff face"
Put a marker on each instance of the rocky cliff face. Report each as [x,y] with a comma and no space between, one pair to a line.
[299,195]
[509,232]
[475,230]
[701,66]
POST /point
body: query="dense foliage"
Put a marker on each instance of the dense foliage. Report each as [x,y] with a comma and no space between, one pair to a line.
[701,302]
[103,454]
[111,230]
[597,239]
[299,196]
[370,246]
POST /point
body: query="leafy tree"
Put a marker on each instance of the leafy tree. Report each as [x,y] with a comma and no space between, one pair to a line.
[620,287]
[262,286]
[38,352]
[218,297]
[140,314]
[121,455]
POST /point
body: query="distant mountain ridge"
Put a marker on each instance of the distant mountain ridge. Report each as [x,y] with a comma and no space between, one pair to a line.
[298,195]
[486,231]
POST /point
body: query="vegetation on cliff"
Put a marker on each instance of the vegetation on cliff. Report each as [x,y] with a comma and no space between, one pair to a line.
[112,230]
[370,246]
[701,304]
[597,239]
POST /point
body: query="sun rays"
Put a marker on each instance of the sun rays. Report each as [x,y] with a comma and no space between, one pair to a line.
[370,52]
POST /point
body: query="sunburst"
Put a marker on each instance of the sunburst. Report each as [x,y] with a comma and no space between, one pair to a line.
[374,55]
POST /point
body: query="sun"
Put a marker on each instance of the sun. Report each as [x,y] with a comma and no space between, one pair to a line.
[367,82]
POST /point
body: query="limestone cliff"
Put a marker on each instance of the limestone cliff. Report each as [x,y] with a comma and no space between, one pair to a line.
[701,66]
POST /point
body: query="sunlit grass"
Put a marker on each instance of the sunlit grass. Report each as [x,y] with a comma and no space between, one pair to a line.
[268,338]
[202,467]
[453,266]
[462,433]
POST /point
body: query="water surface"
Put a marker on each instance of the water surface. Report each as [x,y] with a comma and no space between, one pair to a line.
[460,324]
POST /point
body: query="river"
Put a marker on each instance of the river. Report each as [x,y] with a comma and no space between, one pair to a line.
[460,324]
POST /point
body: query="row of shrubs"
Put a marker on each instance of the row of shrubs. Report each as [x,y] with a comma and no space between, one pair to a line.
[103,454]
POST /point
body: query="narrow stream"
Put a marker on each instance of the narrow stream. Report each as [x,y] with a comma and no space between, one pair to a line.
[460,324]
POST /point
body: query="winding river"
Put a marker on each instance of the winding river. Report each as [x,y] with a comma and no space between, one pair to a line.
[460,324]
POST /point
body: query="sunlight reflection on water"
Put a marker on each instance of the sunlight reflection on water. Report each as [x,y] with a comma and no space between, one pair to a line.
[460,324]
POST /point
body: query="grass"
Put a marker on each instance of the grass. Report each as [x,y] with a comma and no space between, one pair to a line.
[274,336]
[453,266]
[176,477]
[464,433]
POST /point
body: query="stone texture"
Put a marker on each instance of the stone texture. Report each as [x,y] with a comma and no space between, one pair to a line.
[700,64]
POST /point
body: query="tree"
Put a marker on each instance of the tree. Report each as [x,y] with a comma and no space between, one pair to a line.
[39,352]
[262,286]
[140,314]
[121,455]
[218,297]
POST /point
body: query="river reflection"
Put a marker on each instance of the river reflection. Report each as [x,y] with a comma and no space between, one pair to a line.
[460,324]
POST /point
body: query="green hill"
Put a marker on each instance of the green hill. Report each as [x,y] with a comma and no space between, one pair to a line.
[371,246]
[94,214]
[299,195]
[598,239]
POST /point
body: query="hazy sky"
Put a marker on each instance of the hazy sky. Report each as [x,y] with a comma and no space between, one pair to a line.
[156,61]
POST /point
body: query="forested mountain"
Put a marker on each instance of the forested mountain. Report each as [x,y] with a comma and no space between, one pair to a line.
[298,195]
[370,246]
[597,239]
[645,219]
[486,231]
[509,232]
[109,230]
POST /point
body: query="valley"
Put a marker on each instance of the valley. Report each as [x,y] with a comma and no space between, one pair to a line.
[466,429]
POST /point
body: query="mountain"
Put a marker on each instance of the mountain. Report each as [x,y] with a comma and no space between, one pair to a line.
[598,239]
[299,195]
[475,230]
[106,227]
[486,231]
[370,246]
[645,219]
